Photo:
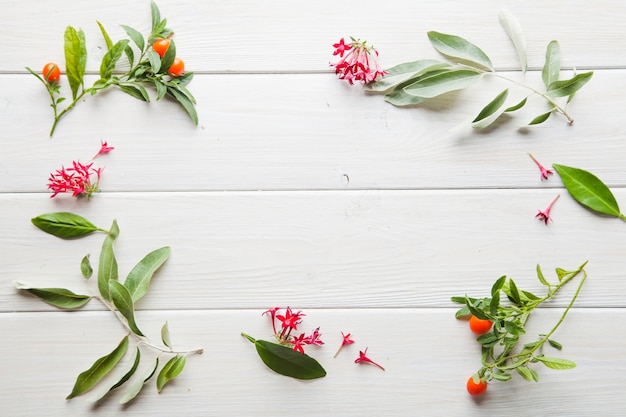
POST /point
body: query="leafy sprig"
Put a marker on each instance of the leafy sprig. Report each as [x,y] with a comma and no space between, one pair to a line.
[509,308]
[409,84]
[120,298]
[147,68]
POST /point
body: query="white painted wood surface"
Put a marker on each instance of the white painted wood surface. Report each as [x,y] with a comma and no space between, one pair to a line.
[297,189]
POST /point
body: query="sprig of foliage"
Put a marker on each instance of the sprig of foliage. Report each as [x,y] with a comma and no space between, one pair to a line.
[499,354]
[147,70]
[409,84]
[120,298]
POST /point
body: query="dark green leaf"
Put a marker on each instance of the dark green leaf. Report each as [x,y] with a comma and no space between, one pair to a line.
[185,102]
[487,338]
[529,296]
[459,49]
[568,87]
[588,190]
[75,58]
[165,336]
[124,304]
[541,118]
[85,267]
[125,377]
[88,379]
[463,312]
[58,297]
[516,34]
[109,60]
[286,361]
[542,279]
[155,61]
[139,277]
[135,388]
[494,304]
[168,58]
[461,300]
[64,224]
[105,35]
[491,111]
[556,363]
[517,106]
[135,36]
[170,370]
[156,16]
[441,83]
[404,72]
[135,90]
[552,67]
[107,266]
[513,292]
[555,344]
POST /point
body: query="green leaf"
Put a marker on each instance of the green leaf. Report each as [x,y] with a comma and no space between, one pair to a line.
[555,344]
[139,277]
[130,55]
[401,99]
[527,373]
[105,35]
[135,388]
[513,292]
[64,225]
[476,311]
[541,118]
[403,72]
[552,68]
[512,28]
[170,370]
[168,58]
[568,87]
[542,279]
[459,49]
[501,377]
[155,61]
[442,83]
[75,58]
[514,328]
[156,16]
[491,111]
[88,379]
[107,266]
[487,338]
[161,89]
[588,190]
[556,363]
[58,297]
[135,36]
[135,90]
[85,267]
[463,312]
[497,286]
[185,102]
[125,377]
[124,304]
[561,273]
[286,361]
[494,304]
[165,335]
[109,60]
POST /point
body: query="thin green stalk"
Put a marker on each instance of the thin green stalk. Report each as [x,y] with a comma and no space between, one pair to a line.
[65,110]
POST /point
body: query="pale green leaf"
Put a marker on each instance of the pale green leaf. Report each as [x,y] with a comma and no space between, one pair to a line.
[185,102]
[556,363]
[105,35]
[568,87]
[170,370]
[404,72]
[459,50]
[128,373]
[124,304]
[58,297]
[541,277]
[89,378]
[541,118]
[512,28]
[165,335]
[135,388]
[107,266]
[552,68]
[75,58]
[155,60]
[156,16]
[491,111]
[442,83]
[110,58]
[138,280]
[135,36]
[85,267]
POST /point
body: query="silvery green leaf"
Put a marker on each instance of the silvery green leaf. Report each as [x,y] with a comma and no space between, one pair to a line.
[441,83]
[400,73]
[125,377]
[135,36]
[185,102]
[512,27]
[165,335]
[155,60]
[124,304]
[552,67]
[107,265]
[541,118]
[156,16]
[459,50]
[568,87]
[491,111]
[139,277]
[135,388]
[170,370]
[58,297]
[517,106]
[85,267]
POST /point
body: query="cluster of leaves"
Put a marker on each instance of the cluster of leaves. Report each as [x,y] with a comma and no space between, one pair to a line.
[147,69]
[412,83]
[499,355]
[118,297]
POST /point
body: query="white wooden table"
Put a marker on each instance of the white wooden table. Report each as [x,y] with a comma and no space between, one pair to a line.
[299,190]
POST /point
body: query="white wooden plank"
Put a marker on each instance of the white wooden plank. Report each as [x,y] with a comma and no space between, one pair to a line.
[304,132]
[298,36]
[428,356]
[320,249]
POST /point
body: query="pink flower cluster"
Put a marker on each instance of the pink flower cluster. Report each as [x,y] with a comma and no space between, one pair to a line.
[80,179]
[289,321]
[358,61]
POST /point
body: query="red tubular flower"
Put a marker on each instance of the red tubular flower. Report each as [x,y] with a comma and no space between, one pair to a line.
[290,320]
[360,62]
[544,172]
[76,180]
[346,341]
[104,148]
[364,359]
[299,343]
[544,216]
[314,338]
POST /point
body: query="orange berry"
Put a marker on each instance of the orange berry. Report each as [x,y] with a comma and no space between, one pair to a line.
[476,388]
[177,68]
[479,326]
[51,72]
[160,46]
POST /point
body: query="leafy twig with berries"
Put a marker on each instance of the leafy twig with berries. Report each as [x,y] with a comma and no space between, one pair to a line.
[118,297]
[156,67]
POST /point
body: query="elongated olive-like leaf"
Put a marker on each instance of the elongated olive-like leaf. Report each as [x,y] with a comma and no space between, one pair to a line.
[512,28]
[88,379]
[85,267]
[135,388]
[170,370]
[125,377]
[165,335]
[105,35]
[491,111]
[525,372]
[555,344]
[130,55]
[124,304]
[107,266]
[497,286]
[495,303]
[400,73]
[568,87]
[459,50]
[65,225]
[168,58]
[156,16]
[155,61]
[160,88]
[109,60]
[556,363]
[58,297]
[286,361]
[185,102]
[75,58]
[442,83]
[541,118]
[138,280]
[552,68]
[517,106]
[541,277]
[135,36]
[588,190]
[513,292]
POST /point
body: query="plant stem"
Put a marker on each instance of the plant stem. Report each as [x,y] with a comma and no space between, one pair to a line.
[65,110]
